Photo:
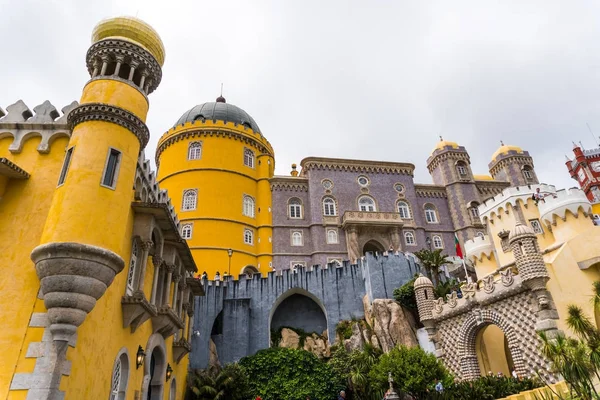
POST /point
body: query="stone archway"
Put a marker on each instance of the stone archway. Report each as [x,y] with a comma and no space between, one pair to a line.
[298,308]
[492,351]
[373,246]
[155,368]
[467,342]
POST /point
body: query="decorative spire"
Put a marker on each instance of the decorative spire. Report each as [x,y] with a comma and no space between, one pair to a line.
[501,143]
[221,99]
[294,172]
[441,138]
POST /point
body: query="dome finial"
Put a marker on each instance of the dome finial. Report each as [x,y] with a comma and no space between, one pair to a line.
[221,99]
[501,143]
[441,138]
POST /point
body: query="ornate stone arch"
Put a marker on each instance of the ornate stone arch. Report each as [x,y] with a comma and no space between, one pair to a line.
[477,320]
[156,380]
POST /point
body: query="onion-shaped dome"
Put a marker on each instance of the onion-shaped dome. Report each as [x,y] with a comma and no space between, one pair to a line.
[219,110]
[519,231]
[133,30]
[422,281]
[505,150]
[443,144]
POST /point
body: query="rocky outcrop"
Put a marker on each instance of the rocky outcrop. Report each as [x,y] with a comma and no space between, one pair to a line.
[213,356]
[392,325]
[357,340]
[318,345]
[289,339]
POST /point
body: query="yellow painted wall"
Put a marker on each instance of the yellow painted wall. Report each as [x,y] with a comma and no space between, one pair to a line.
[491,351]
[23,209]
[486,266]
[222,180]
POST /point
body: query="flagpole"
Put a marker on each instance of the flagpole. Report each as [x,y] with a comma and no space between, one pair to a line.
[466,272]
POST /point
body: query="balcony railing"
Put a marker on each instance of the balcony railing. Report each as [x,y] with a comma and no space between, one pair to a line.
[371,218]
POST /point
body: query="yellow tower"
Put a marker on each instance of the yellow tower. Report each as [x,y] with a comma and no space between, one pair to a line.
[216,164]
[85,230]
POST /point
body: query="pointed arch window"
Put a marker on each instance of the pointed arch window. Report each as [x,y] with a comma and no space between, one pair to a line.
[249,158]
[462,169]
[190,198]
[120,377]
[186,231]
[248,210]
[195,151]
[431,214]
[366,203]
[329,208]
[295,208]
[404,210]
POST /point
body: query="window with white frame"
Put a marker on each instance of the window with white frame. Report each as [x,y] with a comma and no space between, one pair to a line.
[329,207]
[297,238]
[332,236]
[248,236]
[111,169]
[186,231]
[295,208]
[437,242]
[430,214]
[249,158]
[135,252]
[409,239]
[461,168]
[474,209]
[173,391]
[296,265]
[404,210]
[528,172]
[119,378]
[248,209]
[195,151]
[366,203]
[536,226]
[190,199]
[363,181]
[335,262]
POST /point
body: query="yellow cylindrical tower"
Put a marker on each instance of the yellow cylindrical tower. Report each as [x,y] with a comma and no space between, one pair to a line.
[85,229]
[216,164]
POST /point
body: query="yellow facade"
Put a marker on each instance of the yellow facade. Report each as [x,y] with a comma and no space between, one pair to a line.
[222,179]
[92,219]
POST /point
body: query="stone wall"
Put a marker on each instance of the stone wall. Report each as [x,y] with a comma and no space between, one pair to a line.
[249,304]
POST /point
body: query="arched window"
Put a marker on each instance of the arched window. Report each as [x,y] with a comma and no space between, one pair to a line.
[173,391]
[437,242]
[248,206]
[297,238]
[462,169]
[195,151]
[186,231]
[248,236]
[366,203]
[120,376]
[474,209]
[295,208]
[481,235]
[404,210]
[249,158]
[332,236]
[528,172]
[329,207]
[430,214]
[135,251]
[190,198]
[409,239]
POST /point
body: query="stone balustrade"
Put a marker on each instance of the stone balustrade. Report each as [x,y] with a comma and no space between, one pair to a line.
[371,218]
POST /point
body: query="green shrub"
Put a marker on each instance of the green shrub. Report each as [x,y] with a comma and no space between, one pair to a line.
[484,388]
[415,372]
[354,368]
[344,329]
[230,382]
[405,295]
[290,374]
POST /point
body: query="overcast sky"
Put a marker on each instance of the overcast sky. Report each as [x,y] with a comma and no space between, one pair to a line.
[376,80]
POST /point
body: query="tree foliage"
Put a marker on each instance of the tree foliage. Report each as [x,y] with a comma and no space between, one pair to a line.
[405,295]
[353,367]
[415,372]
[228,383]
[484,388]
[290,374]
[432,260]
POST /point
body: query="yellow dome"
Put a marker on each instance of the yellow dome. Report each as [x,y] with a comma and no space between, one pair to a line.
[133,30]
[483,178]
[445,143]
[504,149]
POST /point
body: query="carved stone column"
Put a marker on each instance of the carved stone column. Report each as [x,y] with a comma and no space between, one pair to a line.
[352,240]
[176,278]
[167,289]
[157,269]
[146,246]
[395,239]
[120,60]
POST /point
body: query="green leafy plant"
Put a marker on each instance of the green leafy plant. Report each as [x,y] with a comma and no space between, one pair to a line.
[353,367]
[484,388]
[432,260]
[230,382]
[344,329]
[290,374]
[447,287]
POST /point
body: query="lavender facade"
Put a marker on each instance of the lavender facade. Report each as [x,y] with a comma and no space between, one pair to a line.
[338,209]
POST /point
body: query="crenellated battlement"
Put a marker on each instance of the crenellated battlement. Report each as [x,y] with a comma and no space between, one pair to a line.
[478,247]
[20,123]
[496,205]
[556,206]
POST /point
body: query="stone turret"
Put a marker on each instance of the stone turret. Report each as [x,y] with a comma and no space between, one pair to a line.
[425,299]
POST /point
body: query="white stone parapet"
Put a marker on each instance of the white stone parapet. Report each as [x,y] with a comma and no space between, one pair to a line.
[479,247]
[511,195]
[573,200]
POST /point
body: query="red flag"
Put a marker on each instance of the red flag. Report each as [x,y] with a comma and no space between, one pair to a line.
[457,245]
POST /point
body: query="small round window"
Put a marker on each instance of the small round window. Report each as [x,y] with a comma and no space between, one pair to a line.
[399,187]
[327,184]
[363,181]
